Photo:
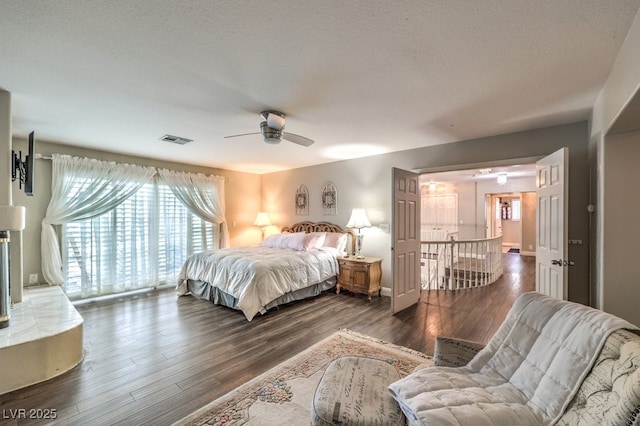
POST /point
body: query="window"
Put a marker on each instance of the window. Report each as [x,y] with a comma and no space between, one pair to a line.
[515,209]
[141,243]
[120,226]
[509,209]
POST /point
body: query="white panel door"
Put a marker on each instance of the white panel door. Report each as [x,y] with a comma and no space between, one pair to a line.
[551,224]
[406,240]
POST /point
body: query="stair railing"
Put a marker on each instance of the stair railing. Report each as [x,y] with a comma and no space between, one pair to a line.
[458,264]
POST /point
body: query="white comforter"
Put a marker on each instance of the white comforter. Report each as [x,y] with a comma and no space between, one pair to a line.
[527,374]
[257,275]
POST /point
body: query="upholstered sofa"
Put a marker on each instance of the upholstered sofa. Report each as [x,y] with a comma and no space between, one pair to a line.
[550,362]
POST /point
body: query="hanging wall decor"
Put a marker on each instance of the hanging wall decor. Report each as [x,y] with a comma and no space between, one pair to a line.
[506,211]
[302,201]
[330,199]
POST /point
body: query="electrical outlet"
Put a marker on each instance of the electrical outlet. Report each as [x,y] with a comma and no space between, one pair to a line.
[33,278]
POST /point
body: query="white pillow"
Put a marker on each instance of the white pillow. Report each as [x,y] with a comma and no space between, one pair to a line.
[283,240]
[272,241]
[294,240]
[299,241]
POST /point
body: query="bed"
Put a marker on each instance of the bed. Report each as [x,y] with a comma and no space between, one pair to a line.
[299,263]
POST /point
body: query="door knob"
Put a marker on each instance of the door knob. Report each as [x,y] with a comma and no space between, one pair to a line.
[560,262]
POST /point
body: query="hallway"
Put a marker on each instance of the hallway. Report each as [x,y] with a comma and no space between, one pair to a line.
[472,314]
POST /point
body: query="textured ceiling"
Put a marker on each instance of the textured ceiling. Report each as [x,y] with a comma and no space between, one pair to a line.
[360,78]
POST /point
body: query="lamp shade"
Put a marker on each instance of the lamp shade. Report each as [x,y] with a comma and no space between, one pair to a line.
[262,219]
[358,219]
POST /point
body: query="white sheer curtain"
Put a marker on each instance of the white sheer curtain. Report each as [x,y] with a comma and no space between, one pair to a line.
[202,195]
[83,188]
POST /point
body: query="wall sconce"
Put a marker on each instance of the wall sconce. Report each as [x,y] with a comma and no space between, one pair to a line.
[433,186]
[502,179]
[358,220]
[262,220]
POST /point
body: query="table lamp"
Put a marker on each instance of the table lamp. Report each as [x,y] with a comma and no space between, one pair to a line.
[358,220]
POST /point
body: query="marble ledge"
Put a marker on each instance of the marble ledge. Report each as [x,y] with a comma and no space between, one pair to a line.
[43,339]
[45,311]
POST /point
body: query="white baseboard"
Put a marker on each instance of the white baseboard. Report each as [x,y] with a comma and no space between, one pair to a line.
[528,253]
[385,291]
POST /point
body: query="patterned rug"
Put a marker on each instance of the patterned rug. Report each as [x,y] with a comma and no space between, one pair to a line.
[283,394]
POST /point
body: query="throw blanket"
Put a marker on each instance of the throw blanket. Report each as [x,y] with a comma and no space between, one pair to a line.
[526,375]
[258,275]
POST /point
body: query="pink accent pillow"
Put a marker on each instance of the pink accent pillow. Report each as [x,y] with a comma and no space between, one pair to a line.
[314,240]
[337,240]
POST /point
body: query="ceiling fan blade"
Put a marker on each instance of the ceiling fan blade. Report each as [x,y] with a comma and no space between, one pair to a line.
[300,140]
[243,134]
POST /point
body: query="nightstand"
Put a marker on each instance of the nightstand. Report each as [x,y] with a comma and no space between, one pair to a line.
[360,275]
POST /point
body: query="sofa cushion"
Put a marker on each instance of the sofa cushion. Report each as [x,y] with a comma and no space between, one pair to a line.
[353,391]
[611,391]
[448,396]
[533,366]
[450,352]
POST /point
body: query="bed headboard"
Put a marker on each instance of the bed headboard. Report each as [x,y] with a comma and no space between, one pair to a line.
[322,227]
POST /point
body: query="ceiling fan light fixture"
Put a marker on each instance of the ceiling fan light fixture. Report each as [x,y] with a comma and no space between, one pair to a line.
[274,119]
[270,141]
[270,135]
[272,130]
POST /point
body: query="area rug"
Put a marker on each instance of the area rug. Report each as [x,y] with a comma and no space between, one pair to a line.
[283,394]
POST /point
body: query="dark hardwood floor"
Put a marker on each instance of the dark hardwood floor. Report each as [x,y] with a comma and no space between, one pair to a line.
[152,358]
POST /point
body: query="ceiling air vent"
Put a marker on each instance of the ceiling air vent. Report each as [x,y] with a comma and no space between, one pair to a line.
[175,139]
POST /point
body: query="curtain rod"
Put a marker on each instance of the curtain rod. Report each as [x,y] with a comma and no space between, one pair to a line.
[42,157]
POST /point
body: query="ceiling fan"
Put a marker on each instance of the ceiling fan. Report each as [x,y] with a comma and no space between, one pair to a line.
[272,130]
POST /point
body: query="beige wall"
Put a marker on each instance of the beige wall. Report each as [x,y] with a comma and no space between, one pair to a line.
[621,229]
[511,229]
[528,223]
[366,182]
[242,192]
[468,228]
[621,86]
[516,185]
[472,218]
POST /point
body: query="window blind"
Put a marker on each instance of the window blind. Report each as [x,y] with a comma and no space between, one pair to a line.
[141,243]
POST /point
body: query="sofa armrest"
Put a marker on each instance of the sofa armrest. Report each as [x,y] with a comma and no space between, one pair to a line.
[450,352]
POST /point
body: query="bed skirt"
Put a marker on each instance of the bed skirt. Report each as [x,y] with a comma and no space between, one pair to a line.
[204,290]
